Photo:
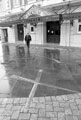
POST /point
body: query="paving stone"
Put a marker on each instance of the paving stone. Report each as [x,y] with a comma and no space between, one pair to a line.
[78,101]
[16,107]
[49,108]
[2,110]
[73,106]
[10,101]
[22,109]
[53,118]
[33,117]
[76,96]
[70,96]
[71,101]
[61,119]
[79,117]
[6,118]
[79,94]
[79,107]
[24,116]
[64,104]
[40,105]
[50,114]
[43,118]
[61,115]
[58,109]
[23,100]
[55,103]
[53,98]
[1,100]
[33,110]
[7,113]
[69,117]
[36,99]
[1,117]
[4,102]
[16,101]
[65,98]
[68,111]
[8,106]
[42,99]
[48,99]
[42,113]
[48,103]
[33,104]
[15,115]
[75,118]
[76,112]
[59,98]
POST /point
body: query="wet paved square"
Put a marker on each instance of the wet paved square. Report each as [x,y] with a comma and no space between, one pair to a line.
[61,70]
[43,84]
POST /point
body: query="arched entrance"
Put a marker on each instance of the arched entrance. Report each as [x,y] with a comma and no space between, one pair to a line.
[53,32]
[5,34]
[20,30]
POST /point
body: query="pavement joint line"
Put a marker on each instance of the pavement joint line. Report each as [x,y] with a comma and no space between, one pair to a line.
[60,88]
[32,93]
[43,84]
[13,87]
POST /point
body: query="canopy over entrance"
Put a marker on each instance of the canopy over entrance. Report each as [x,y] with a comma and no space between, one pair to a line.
[35,14]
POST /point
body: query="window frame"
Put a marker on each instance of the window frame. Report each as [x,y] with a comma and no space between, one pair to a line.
[78,24]
[33,29]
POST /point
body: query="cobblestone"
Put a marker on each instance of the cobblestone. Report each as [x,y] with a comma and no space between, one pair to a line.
[34,117]
[42,99]
[33,110]
[15,115]
[24,116]
[42,113]
[48,99]
[50,108]
[50,114]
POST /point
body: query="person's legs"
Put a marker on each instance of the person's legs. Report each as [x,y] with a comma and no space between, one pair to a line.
[28,44]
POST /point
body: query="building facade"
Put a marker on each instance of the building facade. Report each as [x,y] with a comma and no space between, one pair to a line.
[46,21]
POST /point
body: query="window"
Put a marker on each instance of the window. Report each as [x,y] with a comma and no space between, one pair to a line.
[79,26]
[32,28]
[79,20]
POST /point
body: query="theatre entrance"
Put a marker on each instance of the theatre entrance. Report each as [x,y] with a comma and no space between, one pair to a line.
[20,30]
[5,33]
[53,32]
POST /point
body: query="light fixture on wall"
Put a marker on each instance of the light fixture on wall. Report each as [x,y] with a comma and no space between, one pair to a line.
[25,25]
[61,18]
[10,26]
[34,24]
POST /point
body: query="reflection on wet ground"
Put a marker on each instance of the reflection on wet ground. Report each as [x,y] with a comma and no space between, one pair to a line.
[61,70]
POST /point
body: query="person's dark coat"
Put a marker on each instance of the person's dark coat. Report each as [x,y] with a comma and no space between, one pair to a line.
[27,40]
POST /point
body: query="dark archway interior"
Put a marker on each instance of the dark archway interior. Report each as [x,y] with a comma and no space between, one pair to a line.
[53,32]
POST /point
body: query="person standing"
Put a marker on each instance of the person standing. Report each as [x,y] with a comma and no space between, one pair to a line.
[27,40]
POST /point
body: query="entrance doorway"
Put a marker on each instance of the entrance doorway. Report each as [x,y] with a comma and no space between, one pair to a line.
[20,30]
[5,34]
[53,32]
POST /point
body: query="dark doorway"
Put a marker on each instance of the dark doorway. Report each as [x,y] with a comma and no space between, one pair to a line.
[5,35]
[53,32]
[20,30]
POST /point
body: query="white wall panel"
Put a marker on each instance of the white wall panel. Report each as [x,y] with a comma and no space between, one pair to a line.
[11,35]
